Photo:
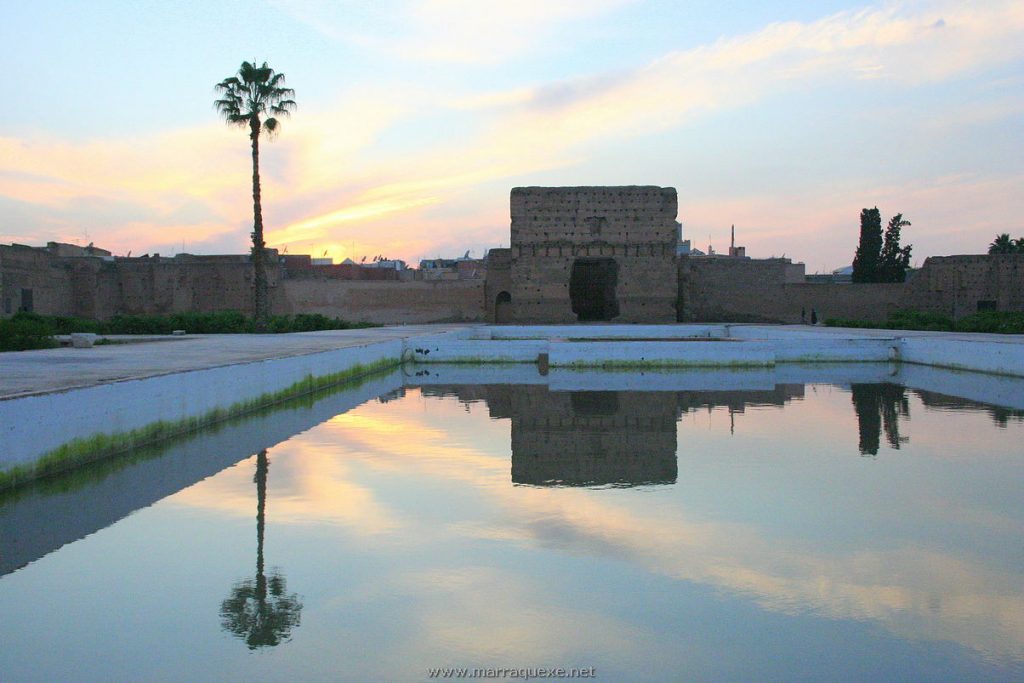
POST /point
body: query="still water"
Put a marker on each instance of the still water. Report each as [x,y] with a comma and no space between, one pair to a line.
[852,523]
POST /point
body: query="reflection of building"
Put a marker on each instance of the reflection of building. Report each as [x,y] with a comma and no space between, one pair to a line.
[600,438]
[592,438]
[1000,416]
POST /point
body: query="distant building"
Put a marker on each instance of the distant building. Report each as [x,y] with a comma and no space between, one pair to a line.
[734,251]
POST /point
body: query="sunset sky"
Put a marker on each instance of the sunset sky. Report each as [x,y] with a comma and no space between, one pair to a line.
[416,118]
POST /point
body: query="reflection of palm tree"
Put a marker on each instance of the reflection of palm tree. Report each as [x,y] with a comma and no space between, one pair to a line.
[262,612]
[879,406]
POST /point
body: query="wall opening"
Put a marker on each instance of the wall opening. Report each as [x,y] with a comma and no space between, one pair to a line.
[592,288]
[27,304]
[503,308]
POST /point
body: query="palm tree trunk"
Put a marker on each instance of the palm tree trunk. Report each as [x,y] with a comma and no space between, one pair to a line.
[258,255]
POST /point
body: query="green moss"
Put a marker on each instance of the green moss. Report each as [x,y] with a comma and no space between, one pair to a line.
[90,449]
[666,363]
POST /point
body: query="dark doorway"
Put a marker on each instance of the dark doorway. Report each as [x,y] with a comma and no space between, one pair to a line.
[503,308]
[26,301]
[592,288]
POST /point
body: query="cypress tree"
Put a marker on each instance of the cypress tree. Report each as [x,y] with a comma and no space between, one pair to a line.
[869,250]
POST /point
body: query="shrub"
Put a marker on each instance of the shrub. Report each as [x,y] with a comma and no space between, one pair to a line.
[997,322]
[848,322]
[1000,322]
[24,332]
[220,322]
[917,320]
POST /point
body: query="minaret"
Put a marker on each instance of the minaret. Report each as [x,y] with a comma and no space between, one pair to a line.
[732,241]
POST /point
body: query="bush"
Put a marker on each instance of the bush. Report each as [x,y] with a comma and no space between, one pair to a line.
[849,322]
[916,320]
[999,322]
[137,324]
[220,322]
[25,331]
[996,322]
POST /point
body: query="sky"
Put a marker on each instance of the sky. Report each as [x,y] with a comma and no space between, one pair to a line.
[416,118]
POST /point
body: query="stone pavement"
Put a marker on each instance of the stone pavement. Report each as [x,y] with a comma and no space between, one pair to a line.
[23,373]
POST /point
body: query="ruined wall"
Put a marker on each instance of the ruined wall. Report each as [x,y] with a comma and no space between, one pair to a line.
[385,302]
[770,290]
[738,290]
[553,227]
[498,285]
[30,276]
[163,286]
[961,285]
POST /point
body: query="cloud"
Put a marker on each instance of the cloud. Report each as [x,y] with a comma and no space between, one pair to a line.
[454,31]
[363,174]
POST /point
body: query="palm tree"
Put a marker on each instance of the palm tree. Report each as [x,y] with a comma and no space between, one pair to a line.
[1002,244]
[254,98]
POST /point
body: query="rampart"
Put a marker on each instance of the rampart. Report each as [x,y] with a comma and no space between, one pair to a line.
[388,303]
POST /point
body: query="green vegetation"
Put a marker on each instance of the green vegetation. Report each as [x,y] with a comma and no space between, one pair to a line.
[34,331]
[103,445]
[22,333]
[1003,244]
[997,322]
[878,259]
[252,99]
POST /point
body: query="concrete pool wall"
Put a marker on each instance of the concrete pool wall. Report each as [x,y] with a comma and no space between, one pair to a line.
[54,429]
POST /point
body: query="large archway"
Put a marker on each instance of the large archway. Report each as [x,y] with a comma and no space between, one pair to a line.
[592,288]
[503,308]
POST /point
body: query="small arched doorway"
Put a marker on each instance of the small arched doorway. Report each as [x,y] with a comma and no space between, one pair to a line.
[503,308]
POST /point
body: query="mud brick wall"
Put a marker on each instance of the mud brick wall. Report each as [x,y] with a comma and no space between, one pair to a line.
[388,303]
[24,269]
[498,282]
[954,285]
[554,226]
[773,291]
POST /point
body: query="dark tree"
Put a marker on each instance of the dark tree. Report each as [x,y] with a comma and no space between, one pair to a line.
[253,99]
[894,259]
[869,249]
[261,611]
[1002,244]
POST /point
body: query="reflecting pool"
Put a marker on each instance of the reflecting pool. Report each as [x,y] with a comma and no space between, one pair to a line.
[854,522]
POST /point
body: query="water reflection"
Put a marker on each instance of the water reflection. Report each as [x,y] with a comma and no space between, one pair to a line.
[415,545]
[261,612]
[1001,416]
[601,438]
[879,407]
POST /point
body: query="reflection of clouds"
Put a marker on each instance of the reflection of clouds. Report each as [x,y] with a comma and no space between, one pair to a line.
[915,591]
[486,614]
[307,484]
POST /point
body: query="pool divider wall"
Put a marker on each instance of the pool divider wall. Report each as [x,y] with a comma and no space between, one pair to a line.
[108,418]
[1001,357]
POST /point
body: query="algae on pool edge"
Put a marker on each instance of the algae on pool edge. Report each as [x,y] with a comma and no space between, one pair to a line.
[89,449]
